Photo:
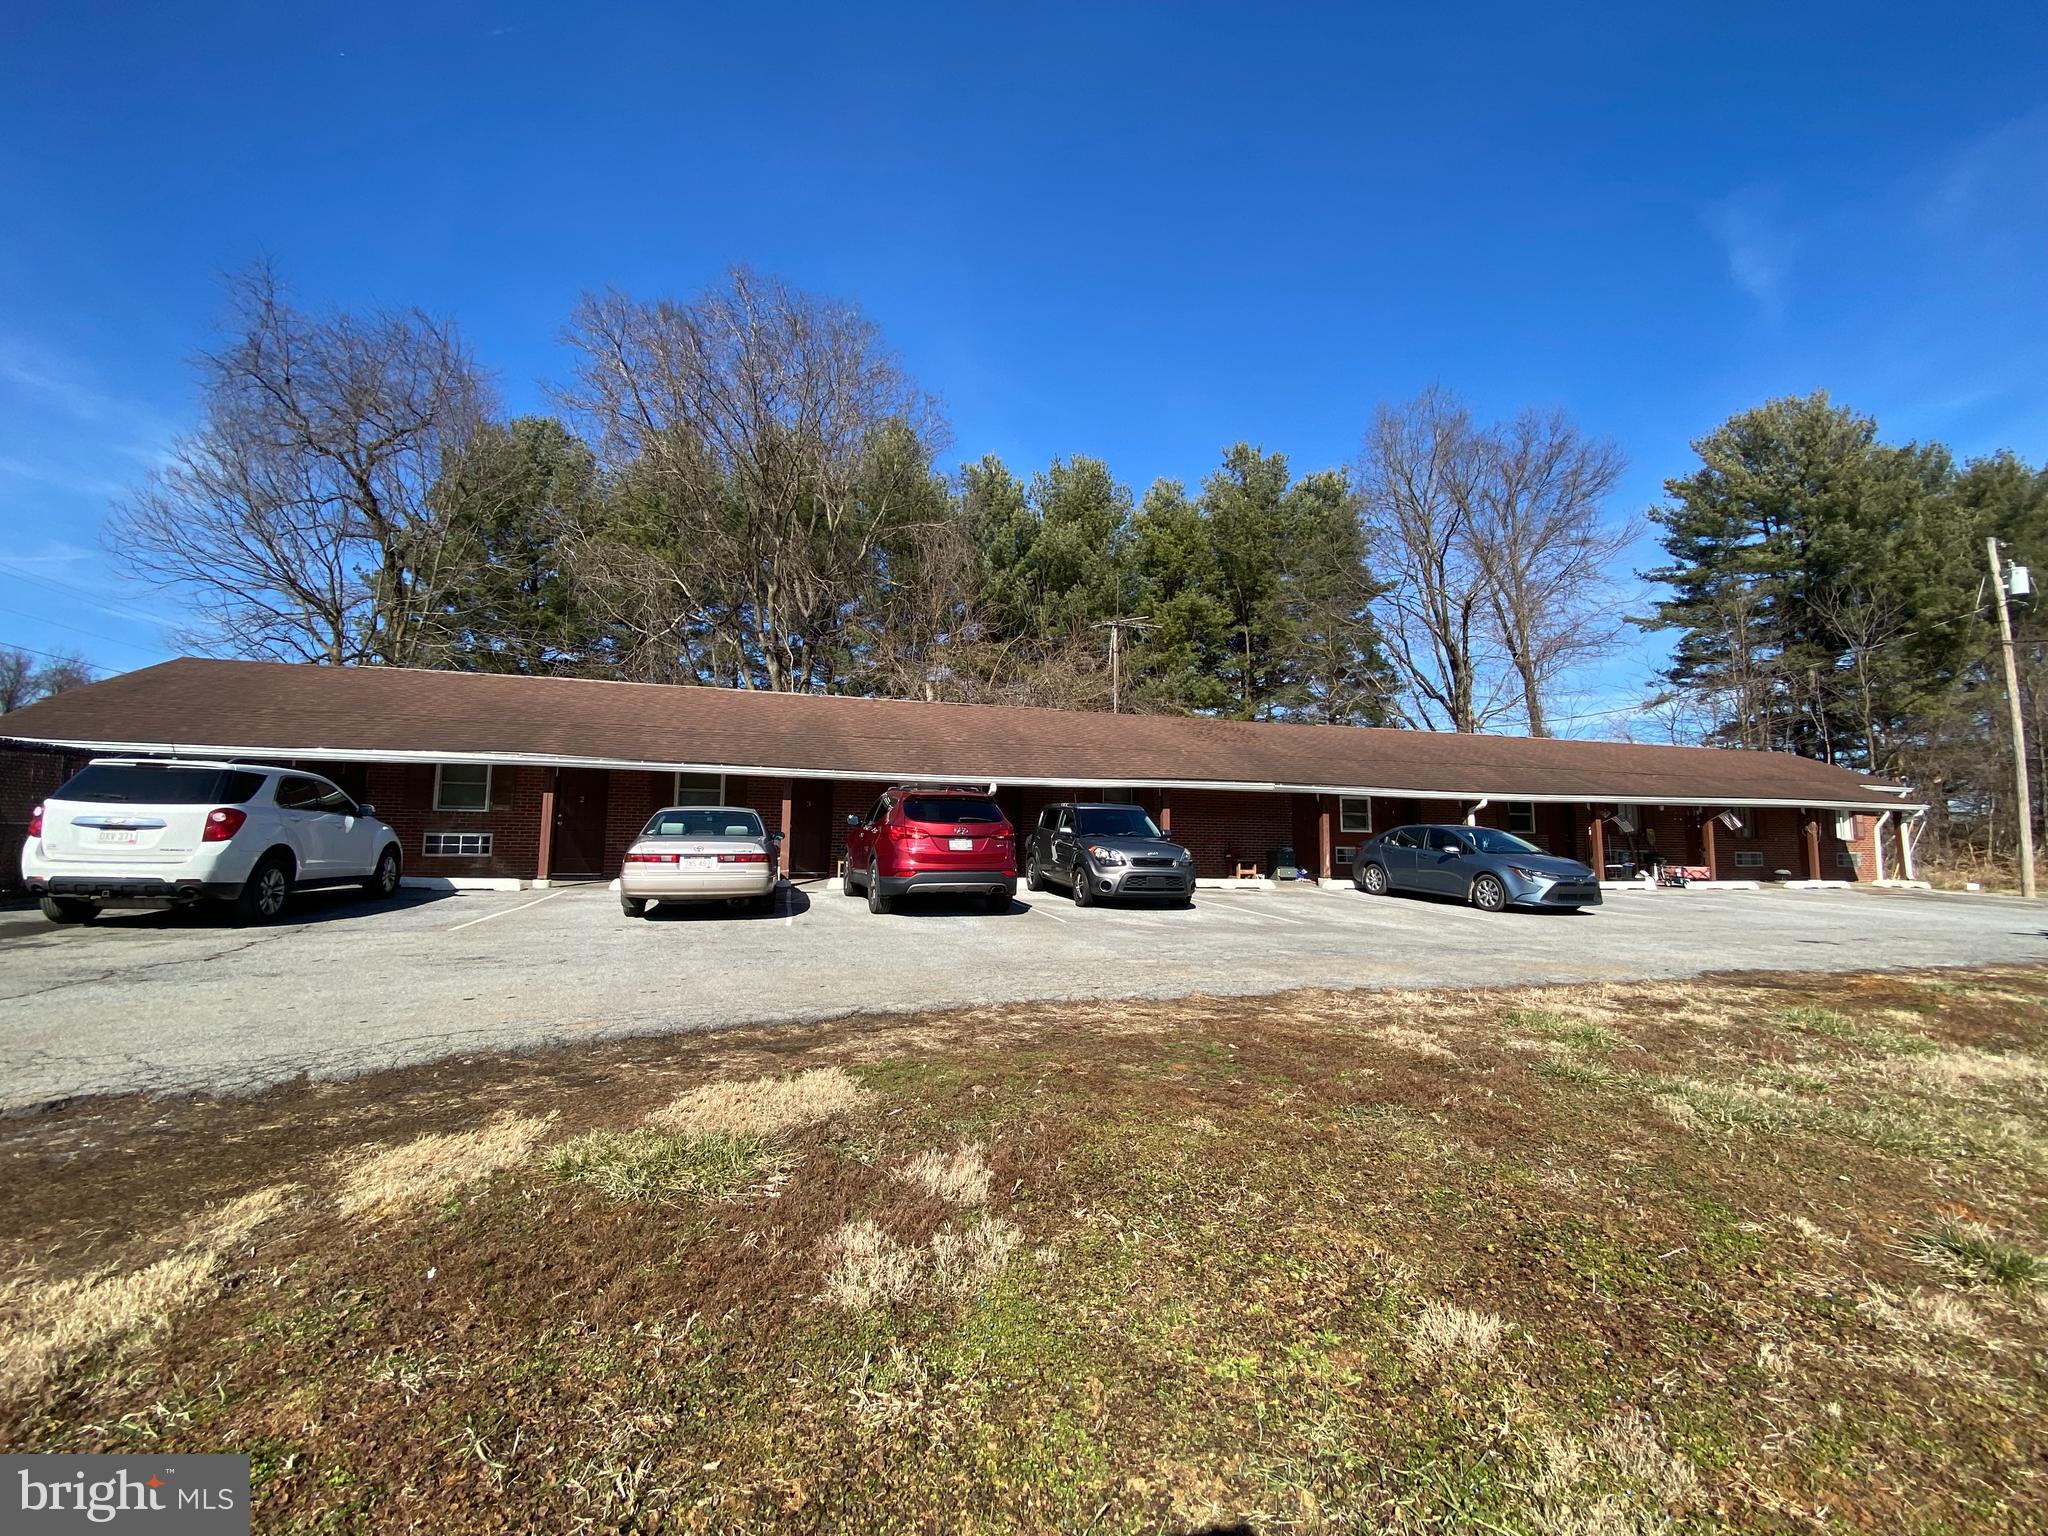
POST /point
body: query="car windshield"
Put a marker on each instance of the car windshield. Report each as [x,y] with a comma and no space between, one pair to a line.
[703,821]
[133,784]
[1117,821]
[1492,841]
[957,809]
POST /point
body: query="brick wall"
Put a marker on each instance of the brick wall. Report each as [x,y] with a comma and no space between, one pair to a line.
[1221,827]
[403,794]
[27,776]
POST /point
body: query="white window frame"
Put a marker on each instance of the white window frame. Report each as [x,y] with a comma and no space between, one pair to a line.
[1749,858]
[1848,858]
[467,845]
[1344,822]
[1747,832]
[1523,812]
[675,787]
[1845,826]
[462,810]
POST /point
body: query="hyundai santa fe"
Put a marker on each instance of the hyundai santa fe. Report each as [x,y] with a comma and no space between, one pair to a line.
[931,839]
[129,831]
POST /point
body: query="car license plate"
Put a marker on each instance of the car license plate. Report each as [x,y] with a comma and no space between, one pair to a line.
[117,834]
[960,843]
[699,861]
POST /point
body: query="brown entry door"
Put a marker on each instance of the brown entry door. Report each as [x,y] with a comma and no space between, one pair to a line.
[810,826]
[580,802]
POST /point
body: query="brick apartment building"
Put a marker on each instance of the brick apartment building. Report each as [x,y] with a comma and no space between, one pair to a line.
[520,779]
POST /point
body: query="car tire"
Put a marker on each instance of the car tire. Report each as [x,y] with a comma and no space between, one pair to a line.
[267,891]
[383,881]
[1489,895]
[877,902]
[633,906]
[68,909]
[1033,880]
[1084,891]
[846,885]
[1373,880]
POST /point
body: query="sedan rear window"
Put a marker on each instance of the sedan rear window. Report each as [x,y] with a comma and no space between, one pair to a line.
[693,822]
[960,810]
[137,784]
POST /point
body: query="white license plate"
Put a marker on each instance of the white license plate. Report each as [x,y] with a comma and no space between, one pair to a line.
[117,834]
[698,861]
[960,843]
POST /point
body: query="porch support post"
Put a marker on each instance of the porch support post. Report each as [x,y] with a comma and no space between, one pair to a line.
[545,861]
[1906,844]
[1166,810]
[788,822]
[1707,821]
[1596,837]
[1811,828]
[1323,835]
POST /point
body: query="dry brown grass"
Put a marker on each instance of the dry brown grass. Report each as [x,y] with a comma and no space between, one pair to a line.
[45,1325]
[1444,1336]
[1930,1317]
[959,1178]
[962,1261]
[761,1106]
[1962,1069]
[429,1167]
[869,1268]
[1418,1042]
[1621,1480]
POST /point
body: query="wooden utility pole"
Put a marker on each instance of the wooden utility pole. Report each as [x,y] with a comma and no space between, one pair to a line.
[2019,740]
[1116,669]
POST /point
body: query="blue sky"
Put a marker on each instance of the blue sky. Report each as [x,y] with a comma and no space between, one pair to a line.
[1139,231]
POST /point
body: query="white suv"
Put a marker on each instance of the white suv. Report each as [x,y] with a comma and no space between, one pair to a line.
[126,830]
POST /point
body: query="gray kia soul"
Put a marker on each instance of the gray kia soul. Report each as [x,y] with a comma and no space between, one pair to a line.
[1106,850]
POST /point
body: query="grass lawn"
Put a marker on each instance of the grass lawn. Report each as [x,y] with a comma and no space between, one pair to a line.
[1759,1252]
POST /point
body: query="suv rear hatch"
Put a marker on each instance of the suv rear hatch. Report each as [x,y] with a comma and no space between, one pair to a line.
[138,813]
[954,832]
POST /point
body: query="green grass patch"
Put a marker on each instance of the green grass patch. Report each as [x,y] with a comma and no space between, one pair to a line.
[1840,1026]
[652,1165]
[1579,1034]
[1975,1255]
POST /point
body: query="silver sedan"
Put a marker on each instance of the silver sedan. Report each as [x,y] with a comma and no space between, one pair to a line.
[701,853]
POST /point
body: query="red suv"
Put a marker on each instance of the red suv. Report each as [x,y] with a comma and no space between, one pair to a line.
[931,837]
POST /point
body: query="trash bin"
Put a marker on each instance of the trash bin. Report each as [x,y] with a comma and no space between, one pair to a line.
[1280,864]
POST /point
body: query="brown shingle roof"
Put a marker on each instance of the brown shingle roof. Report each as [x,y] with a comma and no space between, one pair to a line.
[271,708]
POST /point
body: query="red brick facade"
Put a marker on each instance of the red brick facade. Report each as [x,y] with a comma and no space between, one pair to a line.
[1223,829]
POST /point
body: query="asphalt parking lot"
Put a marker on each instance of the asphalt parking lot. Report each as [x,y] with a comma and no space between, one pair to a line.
[177,1001]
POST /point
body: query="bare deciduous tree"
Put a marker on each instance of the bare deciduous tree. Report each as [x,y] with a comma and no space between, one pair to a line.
[1418,482]
[17,679]
[1541,545]
[770,442]
[1494,547]
[296,519]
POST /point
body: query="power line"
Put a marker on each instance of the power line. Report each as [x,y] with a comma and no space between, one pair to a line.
[147,650]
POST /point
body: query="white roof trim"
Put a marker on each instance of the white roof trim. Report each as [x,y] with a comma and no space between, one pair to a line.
[762,770]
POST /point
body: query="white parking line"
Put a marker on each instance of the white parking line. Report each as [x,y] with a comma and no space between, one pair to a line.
[505,912]
[1034,907]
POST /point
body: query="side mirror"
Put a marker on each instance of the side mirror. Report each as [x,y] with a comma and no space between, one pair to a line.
[853,821]
[366,809]
[774,837]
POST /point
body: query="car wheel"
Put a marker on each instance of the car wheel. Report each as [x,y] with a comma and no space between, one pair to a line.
[1084,889]
[1488,894]
[383,882]
[67,909]
[266,891]
[1033,880]
[1373,880]
[877,902]
[633,906]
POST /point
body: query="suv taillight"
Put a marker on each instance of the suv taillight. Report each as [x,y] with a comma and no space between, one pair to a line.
[222,824]
[35,822]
